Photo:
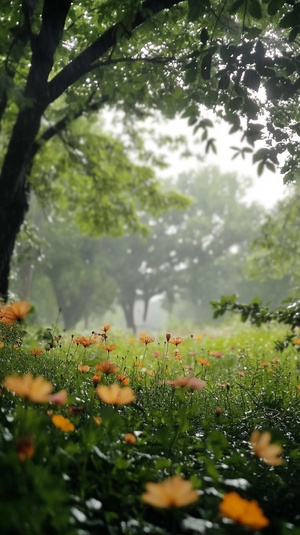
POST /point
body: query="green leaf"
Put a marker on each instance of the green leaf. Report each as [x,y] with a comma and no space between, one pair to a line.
[255,9]
[251,79]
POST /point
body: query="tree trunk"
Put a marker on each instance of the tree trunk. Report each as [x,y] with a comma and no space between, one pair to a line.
[128,308]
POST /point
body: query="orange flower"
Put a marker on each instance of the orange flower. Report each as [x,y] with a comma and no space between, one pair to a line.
[25,448]
[115,395]
[1,345]
[123,379]
[97,420]
[62,423]
[130,438]
[172,492]
[260,444]
[216,354]
[146,339]
[176,340]
[36,389]
[83,341]
[96,379]
[198,337]
[204,362]
[191,382]
[296,341]
[245,512]
[109,348]
[107,367]
[14,312]
[105,328]
[264,364]
[83,369]
[241,374]
[36,351]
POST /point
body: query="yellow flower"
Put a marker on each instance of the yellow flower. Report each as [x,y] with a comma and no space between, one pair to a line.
[15,312]
[172,492]
[62,423]
[260,444]
[36,389]
[245,512]
[115,395]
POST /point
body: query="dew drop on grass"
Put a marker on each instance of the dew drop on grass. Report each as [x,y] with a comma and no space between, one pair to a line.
[93,504]
[78,515]
[239,483]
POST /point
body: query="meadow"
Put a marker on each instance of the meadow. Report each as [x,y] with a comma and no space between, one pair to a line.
[187,432]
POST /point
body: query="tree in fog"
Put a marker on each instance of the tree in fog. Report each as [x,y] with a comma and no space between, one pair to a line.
[62,60]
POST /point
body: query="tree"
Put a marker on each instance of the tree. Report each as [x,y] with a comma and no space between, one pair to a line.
[190,257]
[62,60]
[56,256]
[275,252]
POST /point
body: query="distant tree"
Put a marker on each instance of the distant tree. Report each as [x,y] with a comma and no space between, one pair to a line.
[62,60]
[275,252]
[69,264]
[189,257]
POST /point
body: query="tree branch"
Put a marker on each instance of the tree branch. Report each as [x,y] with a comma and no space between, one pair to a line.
[85,61]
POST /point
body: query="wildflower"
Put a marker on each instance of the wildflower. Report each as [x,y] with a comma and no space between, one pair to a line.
[83,341]
[109,348]
[168,336]
[14,312]
[156,353]
[97,420]
[107,367]
[130,438]
[146,339]
[105,328]
[123,379]
[218,412]
[115,395]
[96,379]
[176,340]
[59,398]
[36,389]
[245,512]
[172,492]
[216,354]
[204,362]
[36,351]
[25,448]
[76,409]
[241,374]
[261,446]
[198,337]
[62,423]
[83,369]
[264,364]
[296,341]
[275,361]
[191,382]
[1,345]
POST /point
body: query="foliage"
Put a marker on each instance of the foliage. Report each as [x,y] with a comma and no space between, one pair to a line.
[275,251]
[258,314]
[92,478]
[62,61]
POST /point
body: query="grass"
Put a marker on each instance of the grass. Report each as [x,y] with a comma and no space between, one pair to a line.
[90,480]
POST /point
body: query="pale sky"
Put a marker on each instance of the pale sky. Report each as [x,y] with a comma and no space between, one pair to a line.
[267,189]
